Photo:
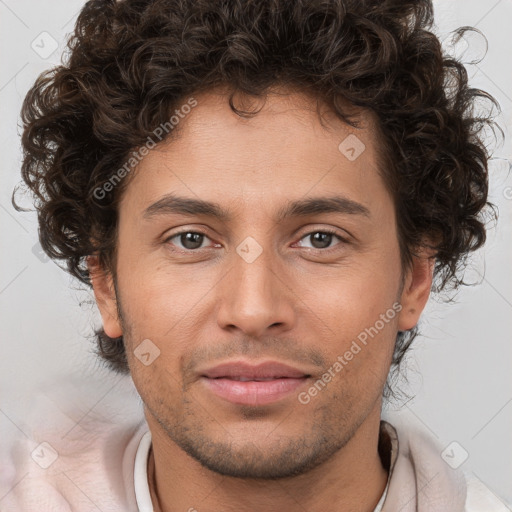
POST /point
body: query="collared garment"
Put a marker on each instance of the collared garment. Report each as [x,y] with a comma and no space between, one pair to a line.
[419,479]
[100,464]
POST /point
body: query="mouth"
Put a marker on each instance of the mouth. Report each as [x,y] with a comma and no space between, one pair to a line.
[254,392]
[254,379]
[244,384]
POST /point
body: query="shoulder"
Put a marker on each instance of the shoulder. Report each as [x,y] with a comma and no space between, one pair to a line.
[481,499]
[422,480]
[70,456]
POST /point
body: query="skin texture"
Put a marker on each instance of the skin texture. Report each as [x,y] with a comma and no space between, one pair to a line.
[297,302]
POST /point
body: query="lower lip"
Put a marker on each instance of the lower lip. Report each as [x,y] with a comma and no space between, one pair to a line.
[253,392]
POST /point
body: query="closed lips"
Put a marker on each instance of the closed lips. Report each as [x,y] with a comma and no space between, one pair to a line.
[242,383]
[256,379]
[244,372]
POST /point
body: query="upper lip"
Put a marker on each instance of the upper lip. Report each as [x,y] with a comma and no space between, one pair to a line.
[266,370]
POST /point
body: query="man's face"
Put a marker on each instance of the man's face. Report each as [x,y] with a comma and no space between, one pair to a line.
[257,286]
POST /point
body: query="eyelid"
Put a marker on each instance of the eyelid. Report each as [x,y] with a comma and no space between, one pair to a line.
[331,231]
[198,231]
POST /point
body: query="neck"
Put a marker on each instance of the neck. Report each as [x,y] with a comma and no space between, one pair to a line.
[352,480]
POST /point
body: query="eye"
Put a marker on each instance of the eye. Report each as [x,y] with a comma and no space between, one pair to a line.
[322,239]
[189,240]
[193,240]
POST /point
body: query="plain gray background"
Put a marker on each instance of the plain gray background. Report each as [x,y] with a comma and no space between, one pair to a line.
[459,376]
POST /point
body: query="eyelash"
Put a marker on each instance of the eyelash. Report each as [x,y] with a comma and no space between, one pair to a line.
[323,231]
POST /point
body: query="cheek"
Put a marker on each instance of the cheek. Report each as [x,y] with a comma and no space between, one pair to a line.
[358,314]
[173,310]
[353,299]
[152,292]
[358,361]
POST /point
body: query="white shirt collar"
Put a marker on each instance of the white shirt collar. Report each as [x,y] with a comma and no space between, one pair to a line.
[140,475]
[141,483]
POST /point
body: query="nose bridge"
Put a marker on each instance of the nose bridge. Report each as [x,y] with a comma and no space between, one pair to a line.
[253,276]
[253,298]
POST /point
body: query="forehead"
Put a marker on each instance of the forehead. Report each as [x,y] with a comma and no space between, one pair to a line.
[293,145]
[289,115]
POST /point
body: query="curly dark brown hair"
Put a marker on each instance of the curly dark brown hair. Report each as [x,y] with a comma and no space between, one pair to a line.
[132,62]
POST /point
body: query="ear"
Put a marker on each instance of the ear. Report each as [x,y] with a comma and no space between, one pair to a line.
[104,292]
[416,291]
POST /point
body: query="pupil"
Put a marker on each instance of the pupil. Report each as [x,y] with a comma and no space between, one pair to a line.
[324,240]
[191,240]
[194,240]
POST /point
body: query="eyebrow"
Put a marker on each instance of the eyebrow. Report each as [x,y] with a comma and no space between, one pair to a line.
[173,204]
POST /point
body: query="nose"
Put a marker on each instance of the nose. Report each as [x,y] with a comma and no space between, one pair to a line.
[254,296]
